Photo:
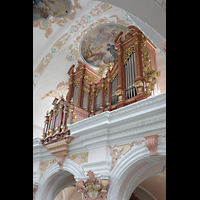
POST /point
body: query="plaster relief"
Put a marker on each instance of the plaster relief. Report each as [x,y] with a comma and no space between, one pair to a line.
[152,142]
[45,165]
[79,158]
[61,89]
[93,188]
[119,150]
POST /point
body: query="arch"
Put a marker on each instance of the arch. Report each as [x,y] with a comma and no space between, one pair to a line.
[53,180]
[130,171]
[139,177]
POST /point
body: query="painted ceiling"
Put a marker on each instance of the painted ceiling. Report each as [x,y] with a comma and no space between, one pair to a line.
[96,46]
[43,9]
[59,42]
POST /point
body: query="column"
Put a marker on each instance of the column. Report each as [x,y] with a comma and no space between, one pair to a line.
[54,116]
[88,100]
[65,110]
[94,99]
[109,95]
[139,82]
[59,118]
[71,79]
[80,90]
[46,123]
[102,95]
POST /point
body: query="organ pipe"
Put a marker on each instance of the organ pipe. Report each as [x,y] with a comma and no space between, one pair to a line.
[130,75]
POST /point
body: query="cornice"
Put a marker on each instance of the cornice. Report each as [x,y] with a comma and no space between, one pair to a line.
[116,127]
[98,167]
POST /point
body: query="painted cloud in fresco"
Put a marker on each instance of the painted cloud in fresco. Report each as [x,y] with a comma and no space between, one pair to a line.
[97,47]
[42,9]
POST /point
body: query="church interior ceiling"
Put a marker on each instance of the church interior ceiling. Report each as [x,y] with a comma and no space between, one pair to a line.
[59,41]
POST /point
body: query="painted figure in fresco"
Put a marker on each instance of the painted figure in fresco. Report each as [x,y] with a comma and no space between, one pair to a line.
[112,50]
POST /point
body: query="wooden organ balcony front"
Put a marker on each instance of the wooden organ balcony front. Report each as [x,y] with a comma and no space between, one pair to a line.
[133,77]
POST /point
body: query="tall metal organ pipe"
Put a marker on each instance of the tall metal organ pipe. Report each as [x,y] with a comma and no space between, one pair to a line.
[130,75]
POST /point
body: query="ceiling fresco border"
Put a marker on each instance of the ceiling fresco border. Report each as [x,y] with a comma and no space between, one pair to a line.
[46,24]
[58,17]
[94,12]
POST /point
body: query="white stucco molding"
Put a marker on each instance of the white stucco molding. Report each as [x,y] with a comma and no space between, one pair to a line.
[128,162]
[117,127]
[40,152]
[68,166]
[36,177]
[122,125]
[101,167]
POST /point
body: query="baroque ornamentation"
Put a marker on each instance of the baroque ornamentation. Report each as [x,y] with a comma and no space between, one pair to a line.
[152,142]
[127,53]
[92,188]
[99,9]
[150,76]
[119,150]
[46,24]
[46,165]
[79,158]
[61,89]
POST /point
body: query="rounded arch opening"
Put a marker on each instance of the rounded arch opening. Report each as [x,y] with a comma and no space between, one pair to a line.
[143,178]
[53,181]
[152,188]
[133,168]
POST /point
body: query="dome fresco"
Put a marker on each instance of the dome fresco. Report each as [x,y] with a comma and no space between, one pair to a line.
[97,47]
[42,9]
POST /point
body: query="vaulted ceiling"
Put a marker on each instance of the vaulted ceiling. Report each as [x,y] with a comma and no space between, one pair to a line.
[56,42]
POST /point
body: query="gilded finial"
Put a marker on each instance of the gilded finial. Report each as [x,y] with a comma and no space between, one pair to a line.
[72,100]
[127,30]
[47,112]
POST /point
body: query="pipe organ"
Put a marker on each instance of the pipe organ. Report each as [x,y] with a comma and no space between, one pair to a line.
[132,78]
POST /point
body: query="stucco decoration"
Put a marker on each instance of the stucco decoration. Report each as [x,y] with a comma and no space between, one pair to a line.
[152,142]
[79,158]
[93,188]
[60,90]
[119,150]
[46,24]
[46,165]
[80,28]
[43,9]
[97,47]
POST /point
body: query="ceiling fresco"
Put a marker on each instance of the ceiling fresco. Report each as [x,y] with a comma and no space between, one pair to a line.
[97,47]
[42,9]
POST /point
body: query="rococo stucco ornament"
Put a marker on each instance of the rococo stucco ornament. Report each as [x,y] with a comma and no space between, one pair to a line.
[92,188]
